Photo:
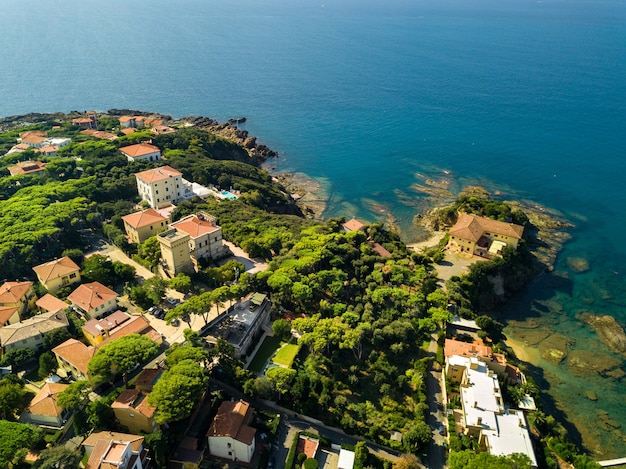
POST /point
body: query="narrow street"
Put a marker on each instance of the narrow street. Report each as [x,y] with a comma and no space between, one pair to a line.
[436,417]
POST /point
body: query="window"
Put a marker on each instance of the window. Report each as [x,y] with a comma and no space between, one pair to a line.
[73,275]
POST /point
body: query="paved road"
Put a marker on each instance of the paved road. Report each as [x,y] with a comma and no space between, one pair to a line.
[436,417]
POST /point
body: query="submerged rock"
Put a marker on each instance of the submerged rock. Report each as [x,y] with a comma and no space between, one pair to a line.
[584,362]
[555,347]
[592,396]
[533,336]
[608,330]
[578,264]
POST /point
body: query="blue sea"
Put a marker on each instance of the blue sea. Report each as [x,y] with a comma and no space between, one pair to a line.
[524,97]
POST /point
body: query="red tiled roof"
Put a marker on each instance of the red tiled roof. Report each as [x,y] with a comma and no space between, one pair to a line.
[145,218]
[157,174]
[45,402]
[472,227]
[27,167]
[381,251]
[232,420]
[13,292]
[464,349]
[94,326]
[5,314]
[195,226]
[75,353]
[50,303]
[139,149]
[55,269]
[353,225]
[134,399]
[148,377]
[91,295]
[137,324]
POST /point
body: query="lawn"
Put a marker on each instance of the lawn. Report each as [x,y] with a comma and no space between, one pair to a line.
[286,355]
[266,350]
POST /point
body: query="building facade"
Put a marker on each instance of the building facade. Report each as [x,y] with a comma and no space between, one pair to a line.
[482,236]
[205,236]
[57,273]
[161,187]
[175,252]
[139,226]
[230,435]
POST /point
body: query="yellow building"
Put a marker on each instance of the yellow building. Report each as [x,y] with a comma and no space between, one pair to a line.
[57,273]
[19,295]
[140,226]
[132,411]
[175,252]
[73,357]
[93,299]
[97,331]
[482,236]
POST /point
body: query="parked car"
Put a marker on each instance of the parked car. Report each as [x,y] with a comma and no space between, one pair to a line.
[175,322]
[152,310]
[173,301]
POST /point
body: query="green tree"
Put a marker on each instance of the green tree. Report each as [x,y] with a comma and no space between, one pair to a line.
[281,328]
[47,364]
[75,395]
[54,338]
[281,378]
[155,288]
[58,457]
[407,461]
[16,437]
[157,444]
[11,397]
[17,357]
[181,282]
[176,393]
[100,415]
[121,356]
[416,436]
[97,268]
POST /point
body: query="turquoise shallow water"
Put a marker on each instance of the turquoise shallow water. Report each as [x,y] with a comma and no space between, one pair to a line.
[527,97]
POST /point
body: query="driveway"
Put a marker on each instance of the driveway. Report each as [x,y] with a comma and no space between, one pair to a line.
[436,418]
[252,265]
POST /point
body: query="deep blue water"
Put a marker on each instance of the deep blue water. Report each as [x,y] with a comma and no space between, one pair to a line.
[524,96]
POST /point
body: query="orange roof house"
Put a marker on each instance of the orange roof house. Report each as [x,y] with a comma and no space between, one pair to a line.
[163,186]
[132,410]
[146,380]
[20,295]
[31,332]
[141,151]
[158,174]
[140,226]
[483,236]
[205,236]
[27,167]
[353,225]
[43,408]
[9,315]
[114,450]
[230,436]
[49,303]
[137,324]
[94,299]
[57,273]
[97,330]
[73,357]
[34,139]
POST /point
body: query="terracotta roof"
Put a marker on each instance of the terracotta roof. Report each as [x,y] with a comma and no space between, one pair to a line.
[45,402]
[47,149]
[55,269]
[13,292]
[353,225]
[381,251]
[82,120]
[135,441]
[472,227]
[75,353]
[464,349]
[232,420]
[51,303]
[127,118]
[195,226]
[33,139]
[139,149]
[128,131]
[134,399]
[5,313]
[91,295]
[95,326]
[144,218]
[157,174]
[32,327]
[33,133]
[147,378]
[99,134]
[137,324]
[26,167]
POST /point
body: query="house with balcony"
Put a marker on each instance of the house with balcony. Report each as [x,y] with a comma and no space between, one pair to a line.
[484,237]
[93,300]
[97,330]
[73,357]
[132,411]
[163,186]
[30,333]
[114,450]
[141,151]
[230,435]
[205,236]
[27,167]
[19,295]
[57,273]
[43,409]
[139,226]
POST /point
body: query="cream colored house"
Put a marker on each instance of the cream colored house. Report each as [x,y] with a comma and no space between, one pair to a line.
[31,332]
[57,273]
[132,411]
[140,226]
[20,295]
[9,315]
[141,151]
[93,299]
[43,408]
[482,236]
[73,357]
[162,186]
[49,303]
[114,450]
[230,436]
[205,236]
[175,252]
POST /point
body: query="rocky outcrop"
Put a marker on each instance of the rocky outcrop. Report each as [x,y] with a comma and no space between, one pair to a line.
[578,264]
[608,330]
[586,362]
[555,347]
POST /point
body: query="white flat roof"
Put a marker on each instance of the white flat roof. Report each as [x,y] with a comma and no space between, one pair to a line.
[462,322]
[511,436]
[346,459]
